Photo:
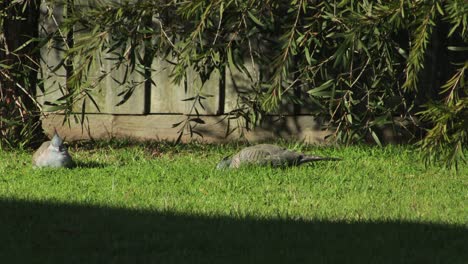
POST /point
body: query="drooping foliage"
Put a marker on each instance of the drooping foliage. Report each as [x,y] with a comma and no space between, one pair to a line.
[366,66]
[19,119]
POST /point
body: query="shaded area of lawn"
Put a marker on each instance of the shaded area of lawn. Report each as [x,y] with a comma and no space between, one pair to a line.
[45,232]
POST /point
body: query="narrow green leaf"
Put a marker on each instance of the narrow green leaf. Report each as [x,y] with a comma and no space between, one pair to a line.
[439,8]
[255,20]
[307,55]
[83,111]
[320,91]
[349,117]
[177,124]
[375,137]
[453,48]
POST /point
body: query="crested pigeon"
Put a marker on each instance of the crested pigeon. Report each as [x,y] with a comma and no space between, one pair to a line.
[268,155]
[52,154]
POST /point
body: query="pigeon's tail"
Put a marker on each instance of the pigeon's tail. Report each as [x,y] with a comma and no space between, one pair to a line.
[306,159]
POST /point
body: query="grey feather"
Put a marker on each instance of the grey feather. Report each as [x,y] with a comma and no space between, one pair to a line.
[268,155]
[52,154]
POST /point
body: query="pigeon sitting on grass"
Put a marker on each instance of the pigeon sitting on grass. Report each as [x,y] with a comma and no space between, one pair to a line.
[268,155]
[52,154]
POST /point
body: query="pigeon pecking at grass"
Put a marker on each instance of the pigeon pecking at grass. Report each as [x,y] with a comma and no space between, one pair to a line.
[52,154]
[268,155]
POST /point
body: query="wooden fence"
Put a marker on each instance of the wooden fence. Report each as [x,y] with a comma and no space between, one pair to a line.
[153,108]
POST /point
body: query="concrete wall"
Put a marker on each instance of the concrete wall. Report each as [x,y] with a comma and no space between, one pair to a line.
[159,127]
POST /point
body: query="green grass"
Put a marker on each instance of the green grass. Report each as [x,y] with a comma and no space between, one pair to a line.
[136,203]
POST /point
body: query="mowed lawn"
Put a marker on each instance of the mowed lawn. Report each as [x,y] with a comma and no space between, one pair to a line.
[159,203]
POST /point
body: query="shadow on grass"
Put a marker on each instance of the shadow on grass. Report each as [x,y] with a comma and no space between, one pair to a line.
[37,232]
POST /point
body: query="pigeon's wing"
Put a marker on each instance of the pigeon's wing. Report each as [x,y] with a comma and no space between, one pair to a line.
[37,156]
[262,154]
[271,155]
[248,156]
[287,158]
[279,156]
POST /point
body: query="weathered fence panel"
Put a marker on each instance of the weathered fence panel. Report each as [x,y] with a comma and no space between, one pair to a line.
[170,98]
[53,76]
[157,104]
